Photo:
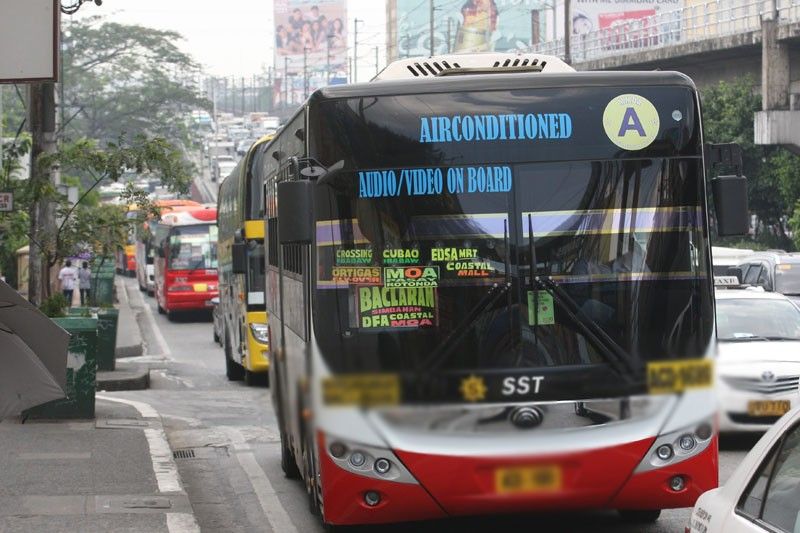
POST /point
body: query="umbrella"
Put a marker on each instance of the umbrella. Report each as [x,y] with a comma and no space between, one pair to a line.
[33,355]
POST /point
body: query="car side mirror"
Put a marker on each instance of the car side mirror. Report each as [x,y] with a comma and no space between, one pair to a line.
[239,257]
[730,205]
[295,212]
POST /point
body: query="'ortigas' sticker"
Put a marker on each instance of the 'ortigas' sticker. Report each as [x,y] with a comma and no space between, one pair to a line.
[631,121]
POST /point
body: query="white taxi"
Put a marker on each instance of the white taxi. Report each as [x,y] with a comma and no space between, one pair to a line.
[758,363]
[763,493]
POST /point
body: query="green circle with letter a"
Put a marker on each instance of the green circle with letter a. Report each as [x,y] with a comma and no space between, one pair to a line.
[631,121]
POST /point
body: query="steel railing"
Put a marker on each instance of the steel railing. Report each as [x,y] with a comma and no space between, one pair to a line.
[693,23]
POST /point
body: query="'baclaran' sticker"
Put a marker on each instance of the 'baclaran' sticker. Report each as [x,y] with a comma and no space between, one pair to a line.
[631,121]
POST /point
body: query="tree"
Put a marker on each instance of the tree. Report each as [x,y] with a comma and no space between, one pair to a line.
[120,79]
[83,227]
[773,173]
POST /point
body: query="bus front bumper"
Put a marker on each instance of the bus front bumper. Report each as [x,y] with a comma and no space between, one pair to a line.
[461,486]
[190,301]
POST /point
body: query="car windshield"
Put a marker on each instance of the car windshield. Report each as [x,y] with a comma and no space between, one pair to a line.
[741,319]
[193,247]
[787,278]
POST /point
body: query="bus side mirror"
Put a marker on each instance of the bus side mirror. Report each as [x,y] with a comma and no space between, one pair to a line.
[239,257]
[295,212]
[160,252]
[730,204]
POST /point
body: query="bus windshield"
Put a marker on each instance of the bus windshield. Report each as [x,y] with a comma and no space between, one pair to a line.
[193,247]
[559,254]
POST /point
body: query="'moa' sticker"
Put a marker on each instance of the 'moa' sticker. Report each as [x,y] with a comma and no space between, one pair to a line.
[631,121]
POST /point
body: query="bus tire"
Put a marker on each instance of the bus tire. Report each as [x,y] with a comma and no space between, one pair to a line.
[639,516]
[160,309]
[233,370]
[288,464]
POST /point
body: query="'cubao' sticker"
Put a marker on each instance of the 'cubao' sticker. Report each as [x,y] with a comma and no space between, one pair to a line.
[631,121]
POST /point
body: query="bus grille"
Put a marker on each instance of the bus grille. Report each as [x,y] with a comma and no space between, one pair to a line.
[780,385]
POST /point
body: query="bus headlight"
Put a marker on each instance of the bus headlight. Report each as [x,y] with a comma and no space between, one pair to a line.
[260,332]
[367,461]
[677,446]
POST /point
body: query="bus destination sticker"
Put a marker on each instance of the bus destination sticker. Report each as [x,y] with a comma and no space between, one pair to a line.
[406,307]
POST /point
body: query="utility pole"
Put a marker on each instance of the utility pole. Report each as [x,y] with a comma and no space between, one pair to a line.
[567,32]
[253,93]
[449,36]
[376,60]
[355,50]
[243,89]
[271,94]
[305,72]
[286,82]
[535,33]
[431,25]
[350,68]
[42,119]
[328,59]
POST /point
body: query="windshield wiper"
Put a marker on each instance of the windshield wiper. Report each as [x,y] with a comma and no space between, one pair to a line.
[441,352]
[619,360]
[783,338]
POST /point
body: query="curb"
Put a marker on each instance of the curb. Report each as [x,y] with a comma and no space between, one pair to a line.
[121,352]
[131,378]
[131,350]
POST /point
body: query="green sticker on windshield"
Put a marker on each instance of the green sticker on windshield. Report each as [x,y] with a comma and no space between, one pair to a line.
[546,313]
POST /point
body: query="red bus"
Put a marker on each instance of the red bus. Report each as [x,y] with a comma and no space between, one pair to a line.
[186,260]
[143,237]
[490,291]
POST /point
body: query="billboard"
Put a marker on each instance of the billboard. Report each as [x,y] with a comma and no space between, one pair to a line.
[310,44]
[29,40]
[465,26]
[591,15]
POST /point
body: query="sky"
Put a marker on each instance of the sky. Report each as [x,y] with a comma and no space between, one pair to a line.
[235,37]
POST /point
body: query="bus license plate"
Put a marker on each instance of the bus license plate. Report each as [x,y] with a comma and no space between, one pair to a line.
[201,287]
[518,479]
[768,407]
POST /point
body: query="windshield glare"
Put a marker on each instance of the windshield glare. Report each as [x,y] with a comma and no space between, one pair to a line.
[193,247]
[742,319]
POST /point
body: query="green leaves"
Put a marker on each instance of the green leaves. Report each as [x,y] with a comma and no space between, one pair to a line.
[773,173]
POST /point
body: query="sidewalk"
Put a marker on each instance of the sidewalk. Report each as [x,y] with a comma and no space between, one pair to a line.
[127,375]
[113,474]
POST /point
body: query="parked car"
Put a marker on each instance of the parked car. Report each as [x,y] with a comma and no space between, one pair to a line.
[758,364]
[763,493]
[776,271]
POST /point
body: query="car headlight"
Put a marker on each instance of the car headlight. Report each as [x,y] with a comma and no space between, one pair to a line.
[260,332]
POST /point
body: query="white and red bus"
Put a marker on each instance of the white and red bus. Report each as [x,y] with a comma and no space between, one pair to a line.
[489,289]
[186,260]
[143,237]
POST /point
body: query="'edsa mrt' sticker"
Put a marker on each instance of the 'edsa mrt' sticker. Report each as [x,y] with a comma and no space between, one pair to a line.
[631,121]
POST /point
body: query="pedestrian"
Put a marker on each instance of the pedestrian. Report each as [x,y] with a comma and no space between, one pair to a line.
[67,277]
[84,282]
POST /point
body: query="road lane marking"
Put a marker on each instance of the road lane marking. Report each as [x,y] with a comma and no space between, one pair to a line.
[164,467]
[162,342]
[271,505]
[182,523]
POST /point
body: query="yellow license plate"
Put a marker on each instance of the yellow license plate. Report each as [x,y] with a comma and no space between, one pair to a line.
[200,287]
[513,480]
[768,407]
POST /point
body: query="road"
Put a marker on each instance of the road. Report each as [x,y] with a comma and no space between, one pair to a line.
[235,483]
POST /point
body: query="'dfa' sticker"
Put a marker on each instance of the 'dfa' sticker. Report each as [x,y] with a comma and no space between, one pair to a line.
[631,121]
[677,376]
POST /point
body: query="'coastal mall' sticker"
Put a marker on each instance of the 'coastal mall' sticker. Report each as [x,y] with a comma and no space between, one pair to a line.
[631,121]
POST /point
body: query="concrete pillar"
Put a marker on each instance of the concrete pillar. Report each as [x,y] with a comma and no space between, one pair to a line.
[774,66]
[778,123]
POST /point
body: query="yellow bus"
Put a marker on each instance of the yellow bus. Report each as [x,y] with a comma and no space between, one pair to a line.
[243,330]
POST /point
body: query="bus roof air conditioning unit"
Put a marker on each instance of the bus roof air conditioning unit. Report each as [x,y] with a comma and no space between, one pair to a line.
[443,65]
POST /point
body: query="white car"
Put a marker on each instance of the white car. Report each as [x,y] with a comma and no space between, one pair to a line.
[763,493]
[758,364]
